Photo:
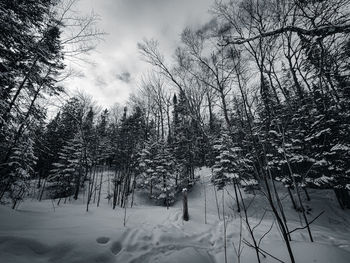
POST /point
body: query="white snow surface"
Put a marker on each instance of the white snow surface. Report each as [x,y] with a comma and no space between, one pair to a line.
[38,233]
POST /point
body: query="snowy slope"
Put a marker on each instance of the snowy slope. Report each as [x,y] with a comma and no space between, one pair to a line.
[37,232]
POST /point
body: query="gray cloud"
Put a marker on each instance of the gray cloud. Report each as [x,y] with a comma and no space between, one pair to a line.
[125,77]
[128,22]
[100,82]
[213,23]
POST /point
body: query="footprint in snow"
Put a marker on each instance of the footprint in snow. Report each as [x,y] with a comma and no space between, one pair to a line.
[102,240]
[116,247]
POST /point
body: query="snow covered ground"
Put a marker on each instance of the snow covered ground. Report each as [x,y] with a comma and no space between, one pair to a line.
[38,232]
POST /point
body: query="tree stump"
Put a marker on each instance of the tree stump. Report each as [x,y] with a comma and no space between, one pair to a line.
[185,215]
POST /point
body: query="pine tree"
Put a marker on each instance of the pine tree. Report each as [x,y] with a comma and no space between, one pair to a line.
[183,141]
[90,141]
[22,163]
[165,186]
[51,144]
[156,167]
[146,174]
[130,139]
[67,172]
[232,166]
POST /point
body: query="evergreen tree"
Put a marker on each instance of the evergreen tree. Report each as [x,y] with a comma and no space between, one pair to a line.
[156,166]
[146,168]
[130,139]
[67,172]
[183,141]
[22,164]
[231,165]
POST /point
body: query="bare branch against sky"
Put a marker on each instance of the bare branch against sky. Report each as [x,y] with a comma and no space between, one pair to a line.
[117,66]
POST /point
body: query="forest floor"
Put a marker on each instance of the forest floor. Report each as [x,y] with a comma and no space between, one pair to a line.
[38,232]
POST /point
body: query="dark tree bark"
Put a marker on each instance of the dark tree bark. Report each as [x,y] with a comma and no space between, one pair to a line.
[185,215]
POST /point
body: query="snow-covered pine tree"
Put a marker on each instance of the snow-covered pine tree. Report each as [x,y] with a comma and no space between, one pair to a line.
[66,174]
[330,147]
[165,187]
[223,168]
[184,139]
[104,146]
[90,140]
[146,167]
[156,167]
[213,132]
[232,166]
[22,163]
[130,138]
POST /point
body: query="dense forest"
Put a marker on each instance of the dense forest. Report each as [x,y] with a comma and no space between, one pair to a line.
[260,94]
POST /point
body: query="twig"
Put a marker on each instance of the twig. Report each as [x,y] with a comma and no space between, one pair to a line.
[301,228]
[262,251]
[262,237]
[261,219]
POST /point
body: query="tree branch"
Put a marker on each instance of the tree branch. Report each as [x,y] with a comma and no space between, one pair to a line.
[320,31]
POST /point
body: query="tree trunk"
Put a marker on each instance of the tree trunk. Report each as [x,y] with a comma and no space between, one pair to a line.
[223,216]
[237,201]
[205,203]
[39,182]
[90,188]
[169,121]
[77,185]
[307,194]
[283,229]
[115,190]
[125,205]
[99,189]
[42,190]
[133,191]
[95,186]
[185,215]
[224,108]
[216,201]
[292,198]
[151,188]
[161,122]
[211,119]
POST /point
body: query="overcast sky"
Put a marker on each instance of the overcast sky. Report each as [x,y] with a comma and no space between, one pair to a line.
[117,63]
